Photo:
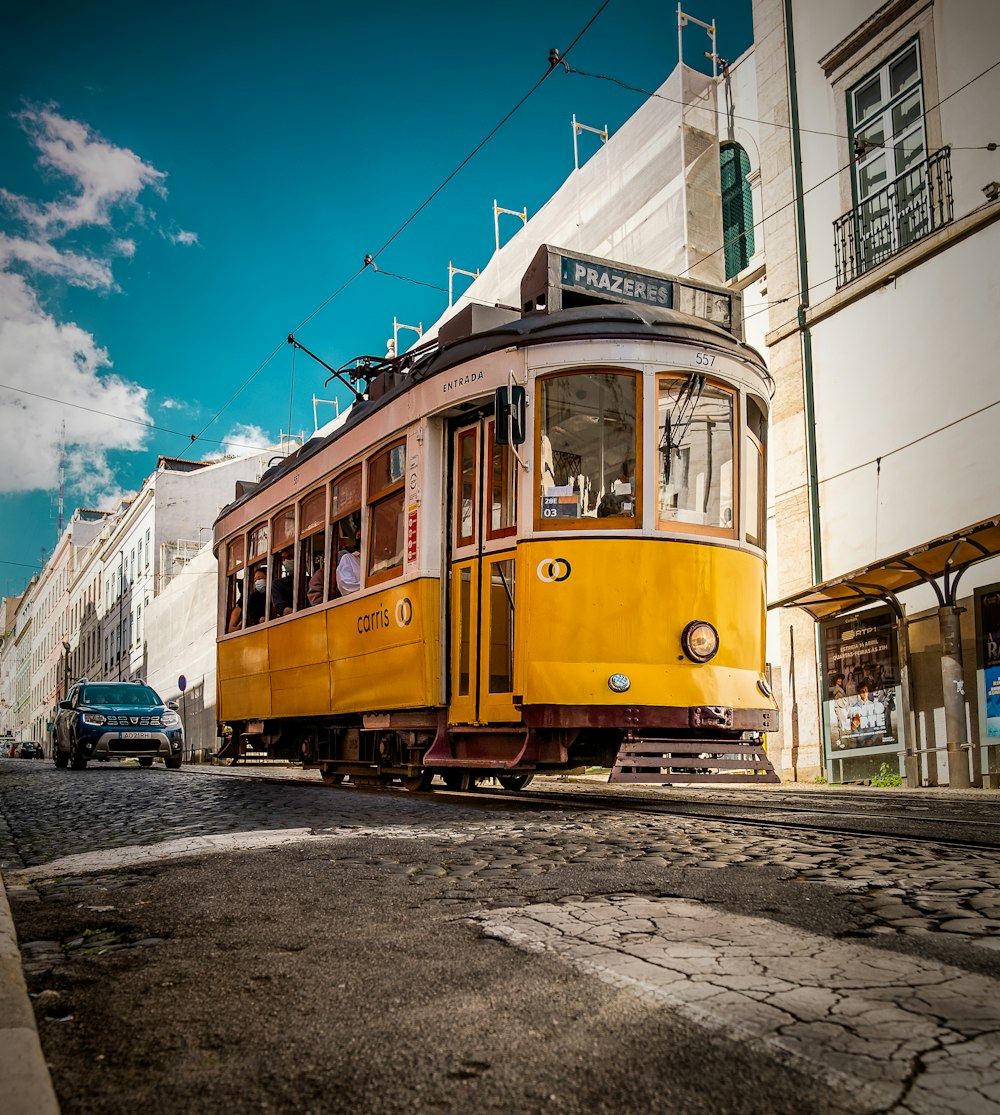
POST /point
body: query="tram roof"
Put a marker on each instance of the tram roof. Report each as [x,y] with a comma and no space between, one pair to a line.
[601,321]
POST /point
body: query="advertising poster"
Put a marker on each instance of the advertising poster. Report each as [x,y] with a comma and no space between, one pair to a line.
[989,627]
[861,676]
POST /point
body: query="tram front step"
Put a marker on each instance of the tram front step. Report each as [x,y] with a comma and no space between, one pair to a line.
[712,761]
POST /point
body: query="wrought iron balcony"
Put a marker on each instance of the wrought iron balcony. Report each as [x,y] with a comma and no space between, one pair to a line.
[900,214]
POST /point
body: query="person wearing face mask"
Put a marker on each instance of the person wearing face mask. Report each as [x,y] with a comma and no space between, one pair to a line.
[256,599]
[281,586]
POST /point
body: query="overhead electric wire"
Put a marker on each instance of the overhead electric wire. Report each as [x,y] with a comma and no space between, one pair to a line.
[370,259]
[122,418]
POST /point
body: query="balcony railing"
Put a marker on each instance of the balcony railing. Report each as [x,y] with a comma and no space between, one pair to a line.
[900,214]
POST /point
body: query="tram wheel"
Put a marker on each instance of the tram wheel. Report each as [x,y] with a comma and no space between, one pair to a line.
[333,777]
[458,779]
[421,781]
[515,781]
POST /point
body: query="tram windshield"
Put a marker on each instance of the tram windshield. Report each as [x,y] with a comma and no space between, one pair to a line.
[695,458]
[588,447]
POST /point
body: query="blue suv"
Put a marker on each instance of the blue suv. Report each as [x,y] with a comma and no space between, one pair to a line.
[116,720]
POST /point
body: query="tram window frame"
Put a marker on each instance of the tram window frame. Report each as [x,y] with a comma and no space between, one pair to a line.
[683,526]
[755,467]
[386,506]
[594,520]
[282,548]
[312,537]
[502,481]
[236,550]
[345,520]
[257,559]
[466,489]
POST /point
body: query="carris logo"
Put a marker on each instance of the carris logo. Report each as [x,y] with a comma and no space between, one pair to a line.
[404,612]
[554,569]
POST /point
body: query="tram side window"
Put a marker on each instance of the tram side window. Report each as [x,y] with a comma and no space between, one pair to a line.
[695,456]
[312,544]
[235,561]
[503,488]
[345,517]
[753,463]
[588,448]
[282,563]
[385,513]
[256,578]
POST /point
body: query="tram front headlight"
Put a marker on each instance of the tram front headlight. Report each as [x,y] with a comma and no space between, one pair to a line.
[700,640]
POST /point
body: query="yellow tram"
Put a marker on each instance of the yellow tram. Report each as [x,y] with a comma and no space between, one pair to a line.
[535,544]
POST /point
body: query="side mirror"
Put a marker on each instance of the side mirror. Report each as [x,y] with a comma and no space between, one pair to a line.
[65,704]
[173,705]
[511,416]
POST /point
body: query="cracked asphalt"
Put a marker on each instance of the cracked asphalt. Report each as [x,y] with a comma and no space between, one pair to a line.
[206,940]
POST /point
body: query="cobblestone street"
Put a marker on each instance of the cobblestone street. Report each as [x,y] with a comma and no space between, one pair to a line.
[866,968]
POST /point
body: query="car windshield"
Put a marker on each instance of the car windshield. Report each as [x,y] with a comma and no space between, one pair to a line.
[139,695]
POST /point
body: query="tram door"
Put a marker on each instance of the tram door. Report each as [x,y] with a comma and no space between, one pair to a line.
[482,591]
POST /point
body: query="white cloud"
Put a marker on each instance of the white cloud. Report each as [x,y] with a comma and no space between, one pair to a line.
[57,385]
[184,237]
[239,441]
[40,256]
[105,175]
[55,374]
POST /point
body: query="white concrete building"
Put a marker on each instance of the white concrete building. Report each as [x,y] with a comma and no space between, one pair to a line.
[883,348]
[50,621]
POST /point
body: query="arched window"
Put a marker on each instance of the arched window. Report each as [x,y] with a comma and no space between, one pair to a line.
[737,208]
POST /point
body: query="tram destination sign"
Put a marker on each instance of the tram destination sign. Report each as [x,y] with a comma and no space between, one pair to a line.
[557,279]
[605,280]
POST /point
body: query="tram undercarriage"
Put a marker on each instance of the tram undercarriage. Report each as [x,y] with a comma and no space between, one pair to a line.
[413,747]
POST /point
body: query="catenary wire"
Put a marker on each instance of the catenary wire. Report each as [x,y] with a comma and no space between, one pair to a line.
[370,259]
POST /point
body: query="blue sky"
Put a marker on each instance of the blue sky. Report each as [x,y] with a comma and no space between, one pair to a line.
[182,187]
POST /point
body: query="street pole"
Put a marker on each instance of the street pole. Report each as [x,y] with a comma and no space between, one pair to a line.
[953,683]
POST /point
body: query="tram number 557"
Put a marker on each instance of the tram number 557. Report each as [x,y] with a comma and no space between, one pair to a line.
[704,359]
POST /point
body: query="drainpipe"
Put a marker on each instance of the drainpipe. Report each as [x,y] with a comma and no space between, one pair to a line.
[807,363]
[809,402]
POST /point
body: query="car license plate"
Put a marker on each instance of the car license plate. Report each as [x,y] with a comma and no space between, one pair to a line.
[134,735]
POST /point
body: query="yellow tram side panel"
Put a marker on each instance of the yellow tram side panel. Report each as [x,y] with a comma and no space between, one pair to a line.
[363,654]
[621,607]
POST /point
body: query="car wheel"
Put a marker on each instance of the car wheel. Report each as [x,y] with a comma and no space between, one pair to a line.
[60,758]
[145,761]
[173,762]
[77,759]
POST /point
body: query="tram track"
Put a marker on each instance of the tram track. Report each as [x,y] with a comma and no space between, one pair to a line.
[971,833]
[944,822]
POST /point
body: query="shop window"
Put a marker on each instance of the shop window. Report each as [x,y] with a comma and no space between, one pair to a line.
[384,544]
[312,547]
[695,481]
[588,449]
[737,208]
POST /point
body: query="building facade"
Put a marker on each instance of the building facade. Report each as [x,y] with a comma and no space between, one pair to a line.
[880,339]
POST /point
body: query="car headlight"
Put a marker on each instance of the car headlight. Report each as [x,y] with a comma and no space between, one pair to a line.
[170,720]
[700,640]
[93,718]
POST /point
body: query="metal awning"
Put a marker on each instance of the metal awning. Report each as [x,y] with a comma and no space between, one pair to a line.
[948,557]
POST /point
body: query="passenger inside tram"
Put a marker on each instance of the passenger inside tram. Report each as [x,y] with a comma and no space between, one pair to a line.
[349,563]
